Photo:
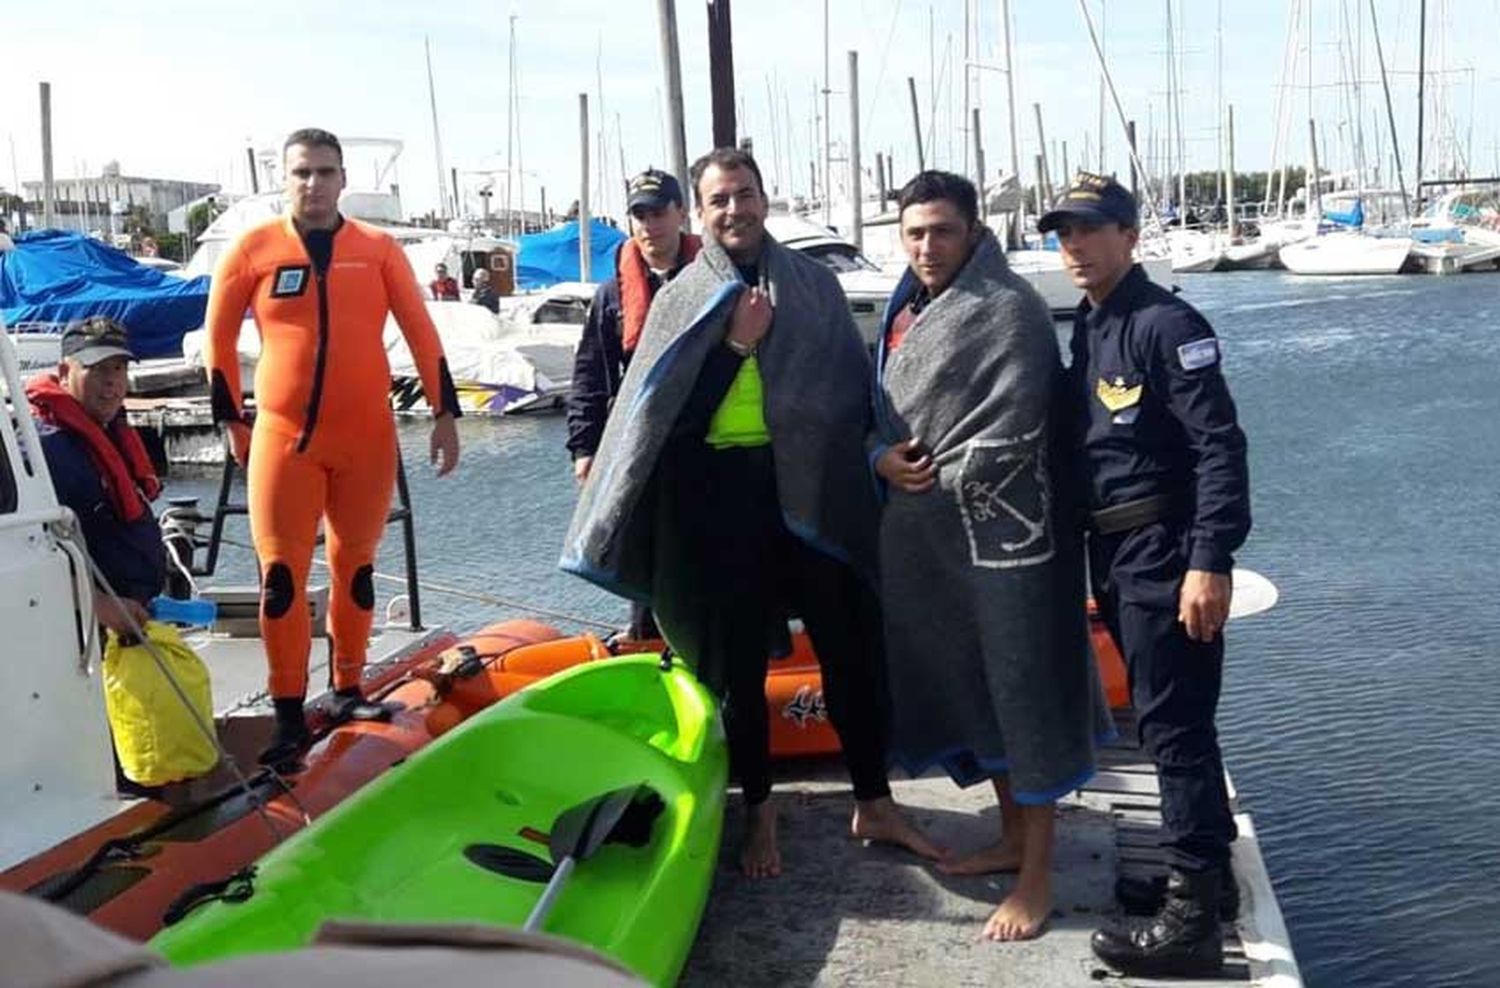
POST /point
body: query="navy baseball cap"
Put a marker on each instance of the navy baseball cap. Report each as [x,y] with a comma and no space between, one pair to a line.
[655,190]
[1094,199]
[94,339]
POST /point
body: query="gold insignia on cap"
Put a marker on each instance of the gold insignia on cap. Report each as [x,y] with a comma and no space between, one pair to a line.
[1117,396]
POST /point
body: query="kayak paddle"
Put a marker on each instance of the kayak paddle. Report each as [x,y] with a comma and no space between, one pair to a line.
[623,816]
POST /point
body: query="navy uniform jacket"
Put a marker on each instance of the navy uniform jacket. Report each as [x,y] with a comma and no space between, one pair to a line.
[598,367]
[132,555]
[600,364]
[1153,416]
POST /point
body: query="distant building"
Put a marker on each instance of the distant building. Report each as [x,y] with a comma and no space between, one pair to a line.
[103,203]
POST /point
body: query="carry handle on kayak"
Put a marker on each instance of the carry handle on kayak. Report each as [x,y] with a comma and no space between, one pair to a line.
[624,816]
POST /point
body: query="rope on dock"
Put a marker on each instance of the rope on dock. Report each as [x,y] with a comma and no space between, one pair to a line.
[475,595]
[495,599]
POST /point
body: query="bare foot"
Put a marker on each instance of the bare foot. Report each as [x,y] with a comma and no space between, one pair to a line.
[1003,855]
[882,820]
[1023,913]
[759,855]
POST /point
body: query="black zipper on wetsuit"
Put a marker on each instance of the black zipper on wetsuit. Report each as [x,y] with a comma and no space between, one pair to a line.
[316,398]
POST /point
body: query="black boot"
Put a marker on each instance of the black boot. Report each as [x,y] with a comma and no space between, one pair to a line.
[292,738]
[1182,940]
[349,703]
[1144,896]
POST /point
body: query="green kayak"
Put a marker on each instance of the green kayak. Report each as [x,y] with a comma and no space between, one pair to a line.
[602,787]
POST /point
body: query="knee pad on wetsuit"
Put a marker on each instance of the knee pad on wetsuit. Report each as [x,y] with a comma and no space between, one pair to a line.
[278,591]
[362,587]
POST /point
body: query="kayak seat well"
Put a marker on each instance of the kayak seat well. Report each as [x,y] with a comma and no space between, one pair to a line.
[660,709]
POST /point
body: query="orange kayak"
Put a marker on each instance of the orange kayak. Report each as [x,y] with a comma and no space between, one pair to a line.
[794,684]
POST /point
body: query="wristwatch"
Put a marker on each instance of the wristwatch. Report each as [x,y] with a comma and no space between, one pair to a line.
[740,349]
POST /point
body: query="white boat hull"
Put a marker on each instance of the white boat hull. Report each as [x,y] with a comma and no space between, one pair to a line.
[1255,255]
[1346,253]
[1044,269]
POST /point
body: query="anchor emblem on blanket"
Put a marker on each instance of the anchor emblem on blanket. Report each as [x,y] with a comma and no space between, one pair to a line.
[1004,497]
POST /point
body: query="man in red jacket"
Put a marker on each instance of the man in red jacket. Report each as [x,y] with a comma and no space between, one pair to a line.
[656,251]
[444,288]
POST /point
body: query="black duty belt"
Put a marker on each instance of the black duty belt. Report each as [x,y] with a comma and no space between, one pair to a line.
[1132,514]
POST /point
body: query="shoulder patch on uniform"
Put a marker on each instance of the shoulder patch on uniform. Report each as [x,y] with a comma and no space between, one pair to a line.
[1198,354]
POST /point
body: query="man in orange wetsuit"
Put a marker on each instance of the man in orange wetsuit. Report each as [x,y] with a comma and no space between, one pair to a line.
[324,443]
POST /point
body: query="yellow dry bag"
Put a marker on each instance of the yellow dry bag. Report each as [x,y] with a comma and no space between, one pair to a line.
[157,736]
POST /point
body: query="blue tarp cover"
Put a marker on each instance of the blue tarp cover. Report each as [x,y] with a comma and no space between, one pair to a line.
[550,257]
[56,277]
[1355,217]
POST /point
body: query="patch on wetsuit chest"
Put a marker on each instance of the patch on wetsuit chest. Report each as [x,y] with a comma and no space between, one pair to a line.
[290,281]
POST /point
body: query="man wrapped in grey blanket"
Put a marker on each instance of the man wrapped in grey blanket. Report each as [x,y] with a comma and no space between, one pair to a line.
[981,560]
[732,487]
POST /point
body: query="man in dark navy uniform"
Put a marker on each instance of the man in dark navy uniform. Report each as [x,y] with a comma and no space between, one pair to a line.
[1168,488]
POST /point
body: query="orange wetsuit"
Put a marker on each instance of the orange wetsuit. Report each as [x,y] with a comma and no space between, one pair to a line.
[324,442]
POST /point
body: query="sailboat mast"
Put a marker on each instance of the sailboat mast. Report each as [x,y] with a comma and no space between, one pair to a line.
[916,123]
[520,156]
[1421,96]
[932,82]
[1010,92]
[968,67]
[856,192]
[1312,186]
[1169,145]
[510,130]
[49,187]
[1276,175]
[603,185]
[827,132]
[775,138]
[666,13]
[1233,227]
[1177,102]
[1018,218]
[1149,198]
[1103,29]
[585,219]
[1219,99]
[437,139]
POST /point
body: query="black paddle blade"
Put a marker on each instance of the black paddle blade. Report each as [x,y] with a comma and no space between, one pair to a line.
[510,862]
[634,828]
[580,831]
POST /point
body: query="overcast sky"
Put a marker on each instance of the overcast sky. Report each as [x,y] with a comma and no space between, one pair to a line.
[177,89]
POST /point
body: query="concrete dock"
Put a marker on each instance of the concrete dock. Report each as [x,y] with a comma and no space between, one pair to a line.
[843,913]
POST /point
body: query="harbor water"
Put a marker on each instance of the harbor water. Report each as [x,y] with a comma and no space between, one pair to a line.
[1358,718]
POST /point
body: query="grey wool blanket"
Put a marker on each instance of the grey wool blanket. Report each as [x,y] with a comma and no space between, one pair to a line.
[983,576]
[815,373]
